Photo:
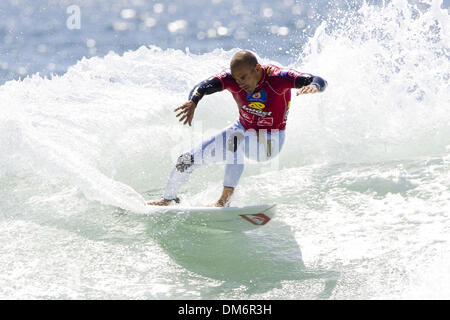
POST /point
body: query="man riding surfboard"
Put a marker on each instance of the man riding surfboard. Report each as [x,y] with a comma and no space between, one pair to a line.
[263,95]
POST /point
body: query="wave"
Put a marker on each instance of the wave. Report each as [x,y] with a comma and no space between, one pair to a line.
[106,126]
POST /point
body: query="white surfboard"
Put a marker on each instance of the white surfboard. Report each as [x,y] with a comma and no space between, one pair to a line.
[227,219]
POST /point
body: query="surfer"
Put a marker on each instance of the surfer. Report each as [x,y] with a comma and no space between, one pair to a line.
[262,94]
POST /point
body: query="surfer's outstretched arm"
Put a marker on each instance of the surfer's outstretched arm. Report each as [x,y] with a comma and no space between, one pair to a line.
[205,87]
[208,86]
[307,83]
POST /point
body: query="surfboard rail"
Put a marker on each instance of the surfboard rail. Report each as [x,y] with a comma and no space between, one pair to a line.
[241,218]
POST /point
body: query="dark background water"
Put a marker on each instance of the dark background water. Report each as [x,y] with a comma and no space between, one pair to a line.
[38,36]
[35,36]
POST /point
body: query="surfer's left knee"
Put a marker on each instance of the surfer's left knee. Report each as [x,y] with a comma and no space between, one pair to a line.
[185,162]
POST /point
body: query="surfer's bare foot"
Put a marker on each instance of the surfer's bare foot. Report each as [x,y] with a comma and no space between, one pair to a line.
[163,202]
[217,204]
[158,203]
[225,198]
[220,204]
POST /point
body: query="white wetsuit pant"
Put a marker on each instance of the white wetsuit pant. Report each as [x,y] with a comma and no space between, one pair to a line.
[228,146]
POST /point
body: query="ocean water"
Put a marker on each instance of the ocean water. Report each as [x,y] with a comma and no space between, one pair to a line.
[87,134]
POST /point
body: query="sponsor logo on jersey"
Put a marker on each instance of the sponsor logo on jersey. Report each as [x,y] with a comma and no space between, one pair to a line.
[273,71]
[289,72]
[259,96]
[223,74]
[257,105]
[247,117]
[293,73]
[265,122]
[257,112]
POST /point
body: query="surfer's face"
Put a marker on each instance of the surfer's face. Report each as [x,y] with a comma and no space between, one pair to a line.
[247,77]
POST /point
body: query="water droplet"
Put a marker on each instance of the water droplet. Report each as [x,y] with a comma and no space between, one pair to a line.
[177,26]
[90,43]
[267,12]
[128,13]
[158,8]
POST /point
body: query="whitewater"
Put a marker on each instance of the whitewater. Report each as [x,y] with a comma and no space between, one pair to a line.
[362,184]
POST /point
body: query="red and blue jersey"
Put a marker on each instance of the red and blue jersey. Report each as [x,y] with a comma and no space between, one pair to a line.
[267,107]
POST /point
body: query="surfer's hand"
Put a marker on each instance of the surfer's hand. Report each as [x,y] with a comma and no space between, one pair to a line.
[186,112]
[312,88]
